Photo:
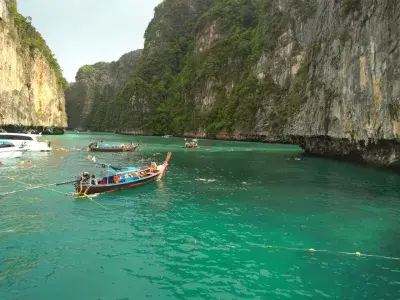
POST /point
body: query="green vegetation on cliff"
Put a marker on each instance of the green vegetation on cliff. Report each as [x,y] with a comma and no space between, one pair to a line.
[263,67]
[91,99]
[31,39]
[196,72]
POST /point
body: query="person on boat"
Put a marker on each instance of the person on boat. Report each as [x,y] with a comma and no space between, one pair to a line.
[116,178]
[153,165]
[94,181]
[85,177]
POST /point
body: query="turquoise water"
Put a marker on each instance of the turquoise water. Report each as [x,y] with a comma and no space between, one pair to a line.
[203,231]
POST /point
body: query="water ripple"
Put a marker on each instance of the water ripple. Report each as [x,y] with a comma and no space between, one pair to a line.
[184,238]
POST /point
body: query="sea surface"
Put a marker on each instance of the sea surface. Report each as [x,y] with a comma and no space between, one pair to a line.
[231,220]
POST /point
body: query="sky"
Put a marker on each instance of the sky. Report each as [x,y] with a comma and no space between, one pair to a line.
[81,32]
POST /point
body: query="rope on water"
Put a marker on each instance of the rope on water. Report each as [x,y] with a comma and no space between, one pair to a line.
[85,195]
[312,250]
[43,185]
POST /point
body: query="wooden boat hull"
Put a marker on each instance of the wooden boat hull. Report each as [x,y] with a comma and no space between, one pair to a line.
[103,188]
[126,149]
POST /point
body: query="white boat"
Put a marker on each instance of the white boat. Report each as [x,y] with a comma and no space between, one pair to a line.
[26,140]
[9,150]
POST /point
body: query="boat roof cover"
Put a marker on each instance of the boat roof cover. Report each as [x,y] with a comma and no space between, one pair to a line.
[124,170]
[109,145]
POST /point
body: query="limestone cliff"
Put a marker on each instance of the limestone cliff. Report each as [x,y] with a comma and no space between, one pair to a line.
[91,98]
[31,84]
[320,73]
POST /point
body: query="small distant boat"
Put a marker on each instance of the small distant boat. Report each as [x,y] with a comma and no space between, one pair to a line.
[192,144]
[167,136]
[9,150]
[120,178]
[112,147]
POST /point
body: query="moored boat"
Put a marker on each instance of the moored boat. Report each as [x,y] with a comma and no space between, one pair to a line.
[192,144]
[9,150]
[28,141]
[112,147]
[120,178]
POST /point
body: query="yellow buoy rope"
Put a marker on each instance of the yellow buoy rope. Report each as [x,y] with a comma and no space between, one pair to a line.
[312,251]
[44,187]
[85,195]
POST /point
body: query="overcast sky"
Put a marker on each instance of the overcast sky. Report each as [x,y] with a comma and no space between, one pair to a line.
[83,32]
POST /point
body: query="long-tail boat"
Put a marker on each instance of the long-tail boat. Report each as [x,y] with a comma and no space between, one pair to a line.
[120,178]
[112,147]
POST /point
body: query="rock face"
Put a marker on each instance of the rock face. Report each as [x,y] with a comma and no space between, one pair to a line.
[31,84]
[91,98]
[323,74]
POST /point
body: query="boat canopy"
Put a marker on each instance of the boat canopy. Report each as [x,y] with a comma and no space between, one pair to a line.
[18,136]
[109,145]
[124,170]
